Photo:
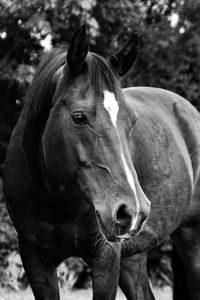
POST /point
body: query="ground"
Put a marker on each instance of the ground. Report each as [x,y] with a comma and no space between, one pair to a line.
[82,294]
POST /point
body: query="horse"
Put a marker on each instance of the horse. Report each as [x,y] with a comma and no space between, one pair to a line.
[104,173]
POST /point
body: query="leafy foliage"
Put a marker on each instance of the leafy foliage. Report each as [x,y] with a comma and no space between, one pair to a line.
[169,58]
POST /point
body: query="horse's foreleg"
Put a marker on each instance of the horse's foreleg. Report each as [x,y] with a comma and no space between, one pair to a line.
[105,274]
[134,278]
[41,274]
[187,241]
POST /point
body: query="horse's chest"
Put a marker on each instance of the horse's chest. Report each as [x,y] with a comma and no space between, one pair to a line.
[61,227]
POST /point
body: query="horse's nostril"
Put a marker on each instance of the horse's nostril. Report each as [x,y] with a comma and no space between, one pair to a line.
[97,213]
[123,216]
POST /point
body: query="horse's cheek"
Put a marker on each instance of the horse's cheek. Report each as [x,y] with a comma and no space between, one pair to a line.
[58,148]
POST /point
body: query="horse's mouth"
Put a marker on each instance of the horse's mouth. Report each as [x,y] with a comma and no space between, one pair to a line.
[126,236]
[108,235]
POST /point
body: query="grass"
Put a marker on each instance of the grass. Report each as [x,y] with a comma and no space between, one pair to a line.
[82,294]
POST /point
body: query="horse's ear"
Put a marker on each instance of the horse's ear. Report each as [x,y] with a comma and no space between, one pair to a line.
[123,60]
[78,50]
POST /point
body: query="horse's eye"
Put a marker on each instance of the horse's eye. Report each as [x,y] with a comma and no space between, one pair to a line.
[79,118]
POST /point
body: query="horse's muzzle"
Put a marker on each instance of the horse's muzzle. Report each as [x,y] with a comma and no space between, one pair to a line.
[116,231]
[123,225]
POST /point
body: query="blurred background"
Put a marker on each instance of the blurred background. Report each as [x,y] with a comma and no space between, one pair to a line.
[169,58]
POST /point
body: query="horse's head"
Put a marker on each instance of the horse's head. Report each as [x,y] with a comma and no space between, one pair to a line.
[87,136]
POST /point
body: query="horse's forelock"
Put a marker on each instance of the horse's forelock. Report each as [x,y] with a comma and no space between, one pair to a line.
[100,74]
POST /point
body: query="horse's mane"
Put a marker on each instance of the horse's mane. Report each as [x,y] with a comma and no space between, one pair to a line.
[39,96]
[40,93]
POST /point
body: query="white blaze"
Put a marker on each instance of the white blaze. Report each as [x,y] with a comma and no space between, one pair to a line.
[111,105]
[128,174]
[132,185]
